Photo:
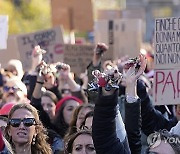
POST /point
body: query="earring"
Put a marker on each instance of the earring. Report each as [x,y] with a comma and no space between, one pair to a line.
[33,140]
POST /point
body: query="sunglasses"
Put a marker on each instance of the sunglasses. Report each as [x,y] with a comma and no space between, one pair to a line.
[6,88]
[26,121]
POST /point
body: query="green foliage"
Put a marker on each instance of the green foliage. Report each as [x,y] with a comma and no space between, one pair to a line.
[30,16]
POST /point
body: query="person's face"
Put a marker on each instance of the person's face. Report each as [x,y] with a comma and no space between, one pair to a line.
[48,106]
[50,80]
[81,115]
[69,109]
[12,69]
[178,112]
[162,148]
[83,144]
[22,134]
[11,93]
[88,122]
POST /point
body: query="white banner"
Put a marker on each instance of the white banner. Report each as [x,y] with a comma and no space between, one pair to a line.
[167,61]
[3,31]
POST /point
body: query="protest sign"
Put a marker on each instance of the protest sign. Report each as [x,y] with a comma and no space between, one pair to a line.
[73,15]
[167,43]
[49,40]
[119,35]
[78,56]
[167,61]
[3,31]
[167,86]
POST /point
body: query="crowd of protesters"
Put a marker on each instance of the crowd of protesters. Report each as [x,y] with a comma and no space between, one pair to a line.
[106,110]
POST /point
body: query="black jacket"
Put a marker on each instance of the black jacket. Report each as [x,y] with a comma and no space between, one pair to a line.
[104,126]
[152,119]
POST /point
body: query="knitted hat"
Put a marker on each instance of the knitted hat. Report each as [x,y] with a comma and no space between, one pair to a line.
[17,64]
[63,100]
[6,108]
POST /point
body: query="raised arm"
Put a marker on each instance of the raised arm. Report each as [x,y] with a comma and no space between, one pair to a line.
[133,107]
[104,124]
[65,77]
[152,119]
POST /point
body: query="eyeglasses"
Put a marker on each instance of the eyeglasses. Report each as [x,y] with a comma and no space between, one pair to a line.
[14,88]
[26,121]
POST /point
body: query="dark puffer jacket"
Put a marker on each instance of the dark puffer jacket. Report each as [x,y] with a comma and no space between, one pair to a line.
[104,126]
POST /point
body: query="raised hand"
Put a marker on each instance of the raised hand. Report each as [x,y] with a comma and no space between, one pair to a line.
[132,73]
[64,70]
[133,69]
[99,50]
[37,55]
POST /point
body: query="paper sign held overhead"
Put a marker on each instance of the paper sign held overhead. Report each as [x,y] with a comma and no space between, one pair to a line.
[3,31]
[167,43]
[119,35]
[78,56]
[49,40]
[166,89]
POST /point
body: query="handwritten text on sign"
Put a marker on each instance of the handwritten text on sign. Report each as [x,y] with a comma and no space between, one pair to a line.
[78,56]
[167,87]
[48,40]
[167,42]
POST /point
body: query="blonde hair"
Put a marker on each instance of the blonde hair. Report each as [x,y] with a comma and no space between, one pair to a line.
[41,146]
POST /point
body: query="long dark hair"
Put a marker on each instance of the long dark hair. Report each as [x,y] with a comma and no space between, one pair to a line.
[72,127]
[59,122]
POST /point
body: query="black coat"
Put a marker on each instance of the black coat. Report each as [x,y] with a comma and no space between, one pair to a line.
[104,126]
[152,119]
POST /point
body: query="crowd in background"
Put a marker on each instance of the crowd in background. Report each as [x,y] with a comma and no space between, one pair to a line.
[106,110]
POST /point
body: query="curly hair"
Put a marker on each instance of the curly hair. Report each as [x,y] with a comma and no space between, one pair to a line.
[41,146]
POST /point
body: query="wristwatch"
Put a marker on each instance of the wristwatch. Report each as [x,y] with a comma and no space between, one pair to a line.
[131,99]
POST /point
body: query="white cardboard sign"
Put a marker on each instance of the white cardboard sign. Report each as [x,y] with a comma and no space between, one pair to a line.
[3,31]
[167,61]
